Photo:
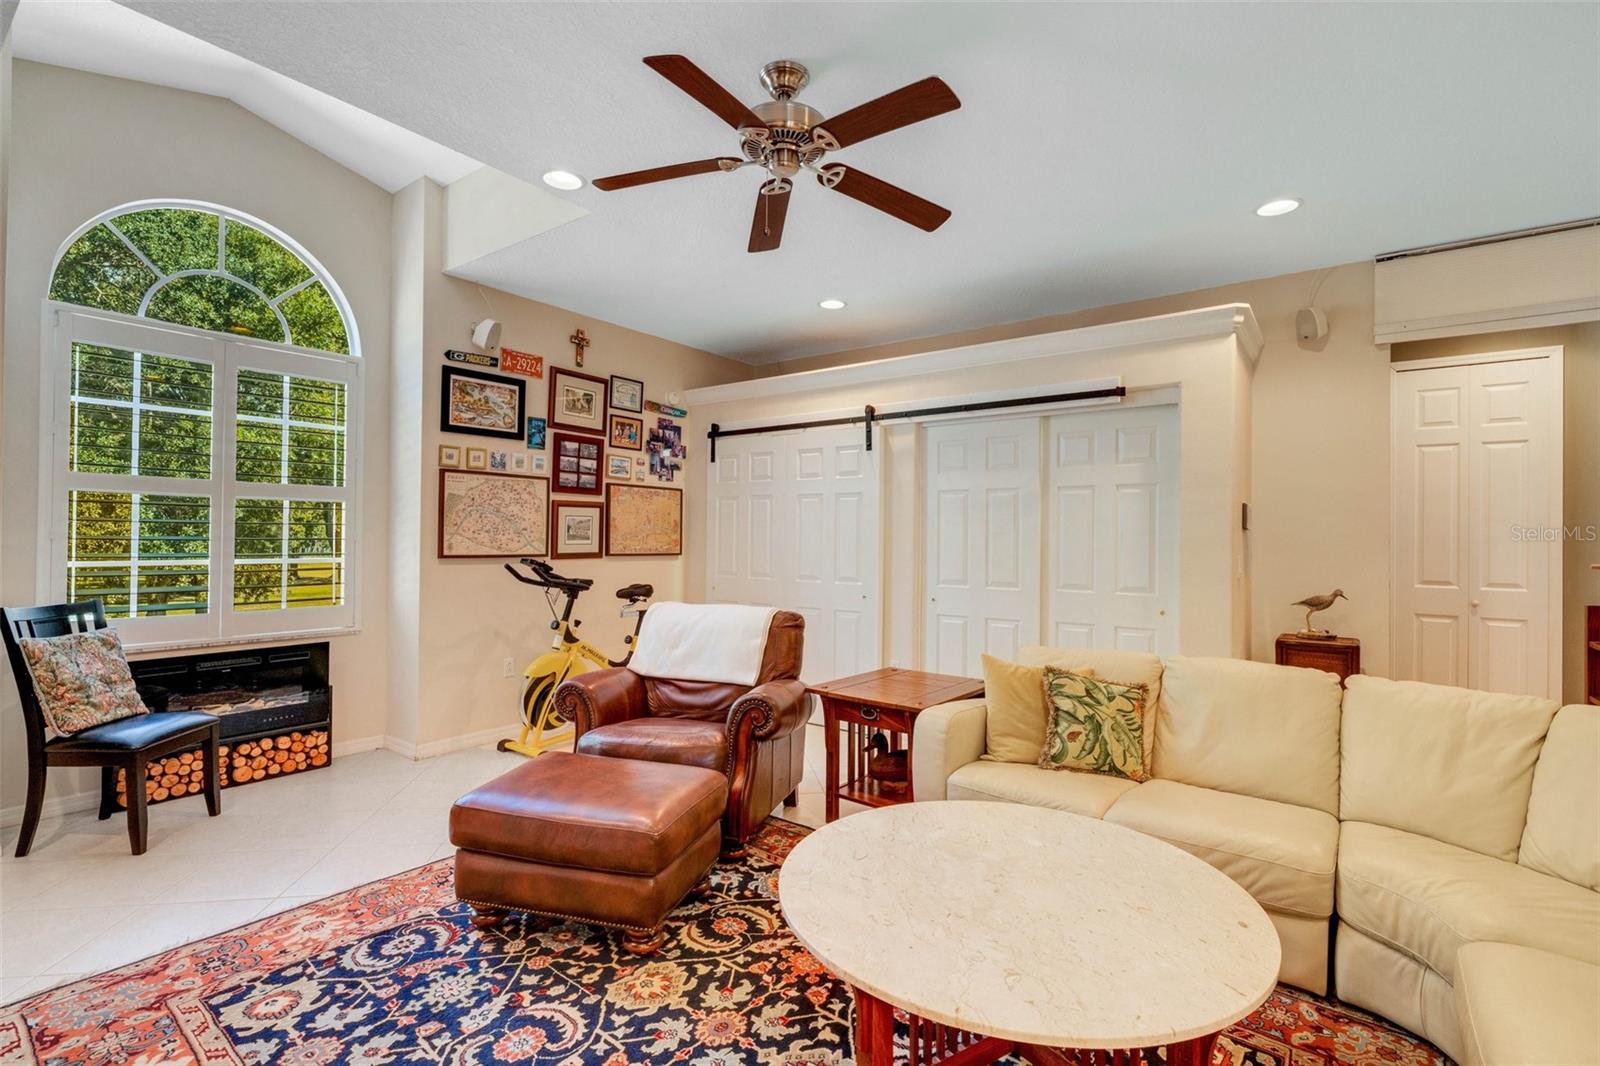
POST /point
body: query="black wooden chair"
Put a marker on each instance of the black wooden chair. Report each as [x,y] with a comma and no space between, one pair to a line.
[128,744]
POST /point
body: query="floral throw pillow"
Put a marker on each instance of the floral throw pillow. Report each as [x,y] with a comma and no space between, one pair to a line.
[1094,725]
[81,679]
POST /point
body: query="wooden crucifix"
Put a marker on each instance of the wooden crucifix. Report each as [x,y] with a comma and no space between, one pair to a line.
[579,343]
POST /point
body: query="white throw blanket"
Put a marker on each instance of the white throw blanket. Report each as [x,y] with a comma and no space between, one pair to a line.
[703,642]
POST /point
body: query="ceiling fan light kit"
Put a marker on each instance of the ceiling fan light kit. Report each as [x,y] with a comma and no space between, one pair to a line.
[784,136]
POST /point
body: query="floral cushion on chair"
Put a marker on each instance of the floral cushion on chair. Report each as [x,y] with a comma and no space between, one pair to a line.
[81,679]
[1094,725]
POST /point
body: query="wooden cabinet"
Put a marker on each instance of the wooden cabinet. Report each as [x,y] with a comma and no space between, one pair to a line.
[1336,655]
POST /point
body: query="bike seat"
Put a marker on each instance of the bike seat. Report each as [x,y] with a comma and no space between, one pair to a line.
[636,592]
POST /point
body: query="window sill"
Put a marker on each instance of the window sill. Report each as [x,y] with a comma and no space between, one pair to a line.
[293,635]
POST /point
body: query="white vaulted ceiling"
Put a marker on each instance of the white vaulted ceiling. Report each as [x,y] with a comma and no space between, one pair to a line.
[1103,152]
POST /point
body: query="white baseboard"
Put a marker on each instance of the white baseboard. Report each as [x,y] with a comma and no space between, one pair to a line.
[449,744]
[360,744]
[74,802]
[54,807]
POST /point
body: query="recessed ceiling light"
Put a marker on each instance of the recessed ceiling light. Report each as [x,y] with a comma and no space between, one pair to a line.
[831,305]
[564,180]
[1277,207]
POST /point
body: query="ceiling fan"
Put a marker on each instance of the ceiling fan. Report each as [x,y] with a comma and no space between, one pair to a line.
[784,136]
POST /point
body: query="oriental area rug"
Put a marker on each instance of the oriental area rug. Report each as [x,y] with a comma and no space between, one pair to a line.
[393,972]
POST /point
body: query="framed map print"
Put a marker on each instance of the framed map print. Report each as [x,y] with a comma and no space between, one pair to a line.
[577,401]
[489,405]
[485,516]
[578,529]
[643,520]
[577,462]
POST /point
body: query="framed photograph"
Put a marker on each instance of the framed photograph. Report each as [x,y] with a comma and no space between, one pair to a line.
[539,464]
[450,457]
[477,458]
[577,401]
[536,433]
[619,466]
[627,394]
[487,516]
[499,461]
[519,462]
[579,529]
[578,461]
[489,405]
[643,520]
[627,433]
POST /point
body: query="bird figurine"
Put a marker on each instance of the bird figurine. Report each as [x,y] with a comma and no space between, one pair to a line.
[1313,604]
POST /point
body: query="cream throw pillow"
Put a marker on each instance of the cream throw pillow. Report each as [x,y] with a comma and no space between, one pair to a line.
[1017,710]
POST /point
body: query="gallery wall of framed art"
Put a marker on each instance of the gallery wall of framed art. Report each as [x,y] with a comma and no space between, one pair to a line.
[578,480]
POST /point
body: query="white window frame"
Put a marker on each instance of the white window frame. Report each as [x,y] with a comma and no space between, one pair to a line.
[66,324]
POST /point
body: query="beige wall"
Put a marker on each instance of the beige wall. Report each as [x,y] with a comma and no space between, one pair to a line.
[85,143]
[472,614]
[1581,462]
[1318,438]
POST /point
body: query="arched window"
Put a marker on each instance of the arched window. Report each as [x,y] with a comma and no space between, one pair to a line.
[207,396]
[204,267]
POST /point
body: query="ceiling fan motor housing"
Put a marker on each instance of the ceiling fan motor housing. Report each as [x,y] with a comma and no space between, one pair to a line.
[783,144]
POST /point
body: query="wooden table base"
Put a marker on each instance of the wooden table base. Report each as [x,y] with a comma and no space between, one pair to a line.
[932,1044]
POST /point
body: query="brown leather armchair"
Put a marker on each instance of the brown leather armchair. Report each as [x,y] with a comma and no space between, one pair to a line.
[753,735]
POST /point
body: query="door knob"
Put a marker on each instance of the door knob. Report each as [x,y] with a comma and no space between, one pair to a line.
[1474,605]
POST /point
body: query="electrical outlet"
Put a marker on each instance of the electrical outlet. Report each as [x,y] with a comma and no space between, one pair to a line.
[508,668]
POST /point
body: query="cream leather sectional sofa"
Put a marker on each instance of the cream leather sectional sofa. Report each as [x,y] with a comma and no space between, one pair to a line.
[1444,842]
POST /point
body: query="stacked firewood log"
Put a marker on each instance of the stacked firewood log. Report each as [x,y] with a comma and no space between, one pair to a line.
[242,762]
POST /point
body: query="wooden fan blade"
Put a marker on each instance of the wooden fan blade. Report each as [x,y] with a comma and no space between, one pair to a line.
[676,170]
[915,102]
[680,71]
[890,199]
[766,229]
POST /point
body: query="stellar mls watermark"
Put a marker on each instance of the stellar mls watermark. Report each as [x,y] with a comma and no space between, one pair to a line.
[1583,534]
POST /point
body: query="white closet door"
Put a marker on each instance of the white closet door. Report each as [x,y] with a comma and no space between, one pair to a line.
[1473,454]
[743,553]
[983,527]
[1113,530]
[793,523]
[832,520]
[1509,473]
[1431,446]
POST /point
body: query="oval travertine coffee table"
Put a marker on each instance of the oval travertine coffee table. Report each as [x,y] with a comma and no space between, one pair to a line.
[1001,928]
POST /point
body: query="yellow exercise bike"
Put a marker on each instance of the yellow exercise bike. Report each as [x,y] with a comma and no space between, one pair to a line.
[543,725]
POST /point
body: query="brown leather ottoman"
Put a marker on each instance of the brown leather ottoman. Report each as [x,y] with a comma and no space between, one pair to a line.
[615,842]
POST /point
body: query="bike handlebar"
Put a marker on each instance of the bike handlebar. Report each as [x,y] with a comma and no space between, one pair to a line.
[548,578]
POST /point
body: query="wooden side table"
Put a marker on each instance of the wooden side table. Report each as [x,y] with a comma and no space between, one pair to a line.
[1336,655]
[883,701]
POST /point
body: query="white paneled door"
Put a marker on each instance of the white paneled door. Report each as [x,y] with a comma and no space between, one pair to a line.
[1112,521]
[1476,524]
[982,553]
[793,522]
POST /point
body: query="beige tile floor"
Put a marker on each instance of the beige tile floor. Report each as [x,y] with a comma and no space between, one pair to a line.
[80,903]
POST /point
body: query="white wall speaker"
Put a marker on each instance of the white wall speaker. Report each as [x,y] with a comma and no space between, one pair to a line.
[486,334]
[1310,324]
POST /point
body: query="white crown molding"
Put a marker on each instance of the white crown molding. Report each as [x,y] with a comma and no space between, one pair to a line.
[1219,321]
